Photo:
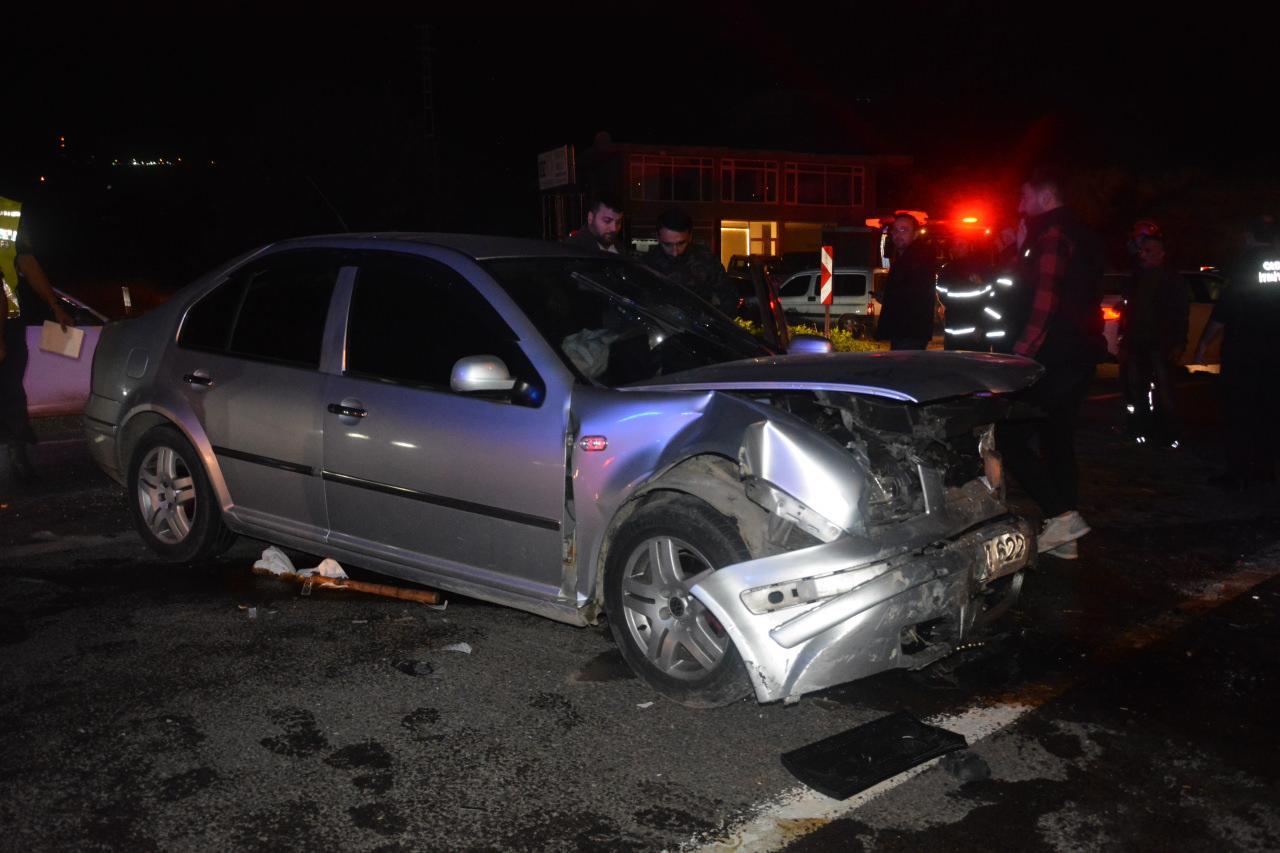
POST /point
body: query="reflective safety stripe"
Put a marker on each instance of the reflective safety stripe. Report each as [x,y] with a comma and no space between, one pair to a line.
[10,215]
[967,294]
[995,334]
[968,330]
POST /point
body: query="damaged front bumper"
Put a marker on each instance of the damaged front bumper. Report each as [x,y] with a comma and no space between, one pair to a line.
[810,619]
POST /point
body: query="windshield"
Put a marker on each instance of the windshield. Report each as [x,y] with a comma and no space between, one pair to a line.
[613,322]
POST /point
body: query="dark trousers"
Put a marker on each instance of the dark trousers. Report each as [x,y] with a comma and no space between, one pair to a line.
[1143,366]
[14,426]
[1251,408]
[1040,452]
[909,343]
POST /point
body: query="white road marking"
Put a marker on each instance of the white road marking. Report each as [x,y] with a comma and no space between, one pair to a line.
[799,811]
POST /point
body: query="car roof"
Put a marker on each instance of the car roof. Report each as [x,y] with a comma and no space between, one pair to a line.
[480,247]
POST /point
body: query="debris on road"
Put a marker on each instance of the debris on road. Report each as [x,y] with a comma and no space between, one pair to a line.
[966,767]
[645,705]
[330,575]
[465,648]
[844,764]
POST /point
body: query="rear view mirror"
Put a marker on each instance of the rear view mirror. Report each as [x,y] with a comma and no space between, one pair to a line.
[480,373]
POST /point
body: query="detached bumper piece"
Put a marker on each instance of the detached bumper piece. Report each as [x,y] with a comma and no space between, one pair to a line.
[844,764]
[810,619]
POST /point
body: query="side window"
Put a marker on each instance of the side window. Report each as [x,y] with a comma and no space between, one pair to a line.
[849,284]
[273,310]
[283,311]
[411,319]
[798,286]
[208,322]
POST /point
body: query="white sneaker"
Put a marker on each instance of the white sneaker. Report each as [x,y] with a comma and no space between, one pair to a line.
[1068,551]
[1060,530]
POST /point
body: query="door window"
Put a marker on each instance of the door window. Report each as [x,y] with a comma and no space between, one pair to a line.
[849,284]
[795,287]
[274,310]
[411,319]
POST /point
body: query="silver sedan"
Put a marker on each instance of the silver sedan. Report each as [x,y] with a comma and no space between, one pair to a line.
[569,434]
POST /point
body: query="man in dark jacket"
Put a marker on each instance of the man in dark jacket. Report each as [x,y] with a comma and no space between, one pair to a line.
[1153,335]
[603,227]
[1059,324]
[1248,316]
[907,304]
[687,263]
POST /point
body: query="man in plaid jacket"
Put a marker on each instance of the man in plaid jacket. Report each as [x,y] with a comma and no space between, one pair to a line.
[1059,324]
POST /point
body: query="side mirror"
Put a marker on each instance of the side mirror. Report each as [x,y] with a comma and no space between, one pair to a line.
[480,373]
[809,343]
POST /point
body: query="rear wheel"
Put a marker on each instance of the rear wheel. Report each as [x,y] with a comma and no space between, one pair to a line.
[171,500]
[665,633]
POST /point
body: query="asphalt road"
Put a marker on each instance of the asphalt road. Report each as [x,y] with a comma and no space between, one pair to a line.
[1128,701]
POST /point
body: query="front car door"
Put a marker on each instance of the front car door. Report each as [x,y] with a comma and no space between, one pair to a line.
[797,295]
[466,487]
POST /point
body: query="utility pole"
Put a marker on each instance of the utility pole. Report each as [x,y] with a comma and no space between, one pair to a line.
[430,143]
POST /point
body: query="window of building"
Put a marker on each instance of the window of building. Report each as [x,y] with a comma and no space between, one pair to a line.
[655,178]
[824,184]
[749,181]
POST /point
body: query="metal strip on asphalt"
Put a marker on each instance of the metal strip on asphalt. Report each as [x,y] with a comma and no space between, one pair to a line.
[799,811]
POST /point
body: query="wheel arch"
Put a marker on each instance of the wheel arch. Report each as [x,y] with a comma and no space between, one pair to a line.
[709,477]
[142,422]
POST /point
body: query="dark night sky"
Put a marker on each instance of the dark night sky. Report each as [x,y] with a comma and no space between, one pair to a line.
[290,111]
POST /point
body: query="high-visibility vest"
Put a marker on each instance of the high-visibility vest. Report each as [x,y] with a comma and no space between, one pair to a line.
[10,214]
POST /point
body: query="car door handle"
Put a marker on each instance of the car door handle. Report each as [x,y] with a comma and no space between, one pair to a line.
[347,411]
[198,379]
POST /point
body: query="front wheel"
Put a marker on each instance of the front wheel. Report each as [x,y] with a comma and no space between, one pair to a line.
[171,500]
[667,636]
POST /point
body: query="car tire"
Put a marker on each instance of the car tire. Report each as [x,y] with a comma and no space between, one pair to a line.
[664,633]
[171,500]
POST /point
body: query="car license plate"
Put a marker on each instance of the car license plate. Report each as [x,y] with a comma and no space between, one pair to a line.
[1005,552]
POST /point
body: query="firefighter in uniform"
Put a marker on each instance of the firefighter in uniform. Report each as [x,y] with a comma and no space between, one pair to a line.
[1248,317]
[970,297]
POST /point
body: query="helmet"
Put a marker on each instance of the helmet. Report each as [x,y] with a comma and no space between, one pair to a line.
[1145,228]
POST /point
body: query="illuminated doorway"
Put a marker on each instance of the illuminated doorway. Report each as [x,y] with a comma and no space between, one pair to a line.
[743,237]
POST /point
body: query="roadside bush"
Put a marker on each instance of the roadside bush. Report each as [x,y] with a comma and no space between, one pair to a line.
[841,341]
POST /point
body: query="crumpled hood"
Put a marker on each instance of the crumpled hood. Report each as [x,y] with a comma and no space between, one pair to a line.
[908,376]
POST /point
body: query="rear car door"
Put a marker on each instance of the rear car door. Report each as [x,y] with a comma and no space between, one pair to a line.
[797,295]
[247,361]
[849,292]
[415,473]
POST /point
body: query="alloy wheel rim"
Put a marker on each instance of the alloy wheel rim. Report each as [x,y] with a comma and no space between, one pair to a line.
[166,495]
[672,629]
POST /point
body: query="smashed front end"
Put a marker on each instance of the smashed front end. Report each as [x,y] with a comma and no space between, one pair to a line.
[916,549]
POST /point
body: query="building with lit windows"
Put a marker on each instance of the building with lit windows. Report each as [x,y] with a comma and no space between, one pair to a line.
[742,201]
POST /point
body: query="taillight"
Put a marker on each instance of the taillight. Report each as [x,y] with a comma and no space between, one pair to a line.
[1110,313]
